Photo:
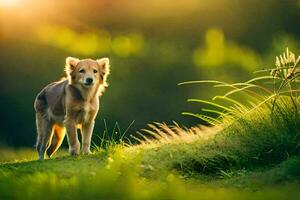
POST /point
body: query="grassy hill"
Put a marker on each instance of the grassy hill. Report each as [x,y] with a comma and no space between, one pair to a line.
[235,162]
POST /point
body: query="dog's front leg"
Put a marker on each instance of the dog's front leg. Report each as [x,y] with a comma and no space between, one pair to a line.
[87,131]
[74,145]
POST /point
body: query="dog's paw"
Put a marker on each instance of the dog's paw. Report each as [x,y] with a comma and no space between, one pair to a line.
[74,151]
[86,151]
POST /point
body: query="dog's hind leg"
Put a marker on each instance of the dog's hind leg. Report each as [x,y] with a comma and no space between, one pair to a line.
[44,133]
[57,138]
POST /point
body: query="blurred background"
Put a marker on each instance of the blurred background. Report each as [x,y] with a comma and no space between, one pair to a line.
[153,45]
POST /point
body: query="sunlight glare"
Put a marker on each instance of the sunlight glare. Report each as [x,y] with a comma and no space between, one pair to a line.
[10,3]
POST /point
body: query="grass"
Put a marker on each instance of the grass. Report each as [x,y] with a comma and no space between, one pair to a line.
[110,139]
[116,175]
[259,139]
[250,151]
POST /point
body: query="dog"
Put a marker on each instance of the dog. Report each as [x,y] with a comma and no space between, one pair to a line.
[70,104]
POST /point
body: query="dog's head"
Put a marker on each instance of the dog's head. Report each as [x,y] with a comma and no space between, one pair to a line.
[87,72]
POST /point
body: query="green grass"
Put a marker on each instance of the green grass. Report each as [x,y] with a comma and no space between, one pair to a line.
[252,151]
[117,175]
[181,163]
[259,139]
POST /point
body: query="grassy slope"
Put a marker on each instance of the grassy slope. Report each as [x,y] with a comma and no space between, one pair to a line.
[256,156]
[117,177]
[258,139]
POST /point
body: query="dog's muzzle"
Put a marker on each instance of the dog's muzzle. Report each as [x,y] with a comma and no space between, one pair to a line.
[88,81]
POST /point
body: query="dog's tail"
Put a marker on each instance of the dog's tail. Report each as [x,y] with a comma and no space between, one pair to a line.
[57,138]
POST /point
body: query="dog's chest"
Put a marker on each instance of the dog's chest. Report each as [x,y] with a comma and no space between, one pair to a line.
[84,114]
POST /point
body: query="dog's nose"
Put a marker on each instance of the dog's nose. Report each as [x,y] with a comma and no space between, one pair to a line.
[88,81]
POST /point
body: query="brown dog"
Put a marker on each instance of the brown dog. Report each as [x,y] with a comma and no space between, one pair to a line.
[70,104]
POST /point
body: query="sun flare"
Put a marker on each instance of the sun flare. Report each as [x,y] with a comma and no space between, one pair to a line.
[10,3]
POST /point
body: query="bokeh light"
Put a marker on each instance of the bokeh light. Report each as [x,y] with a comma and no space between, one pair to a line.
[221,53]
[98,41]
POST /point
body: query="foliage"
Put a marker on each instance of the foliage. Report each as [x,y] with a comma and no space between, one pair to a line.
[282,79]
[219,52]
[114,138]
[262,131]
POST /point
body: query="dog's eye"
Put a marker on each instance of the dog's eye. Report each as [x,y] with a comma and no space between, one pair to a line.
[82,71]
[95,71]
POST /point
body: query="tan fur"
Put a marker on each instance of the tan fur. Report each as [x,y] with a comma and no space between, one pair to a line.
[65,105]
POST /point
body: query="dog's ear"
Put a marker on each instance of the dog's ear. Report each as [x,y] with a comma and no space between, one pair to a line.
[104,72]
[71,64]
[104,64]
[104,68]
